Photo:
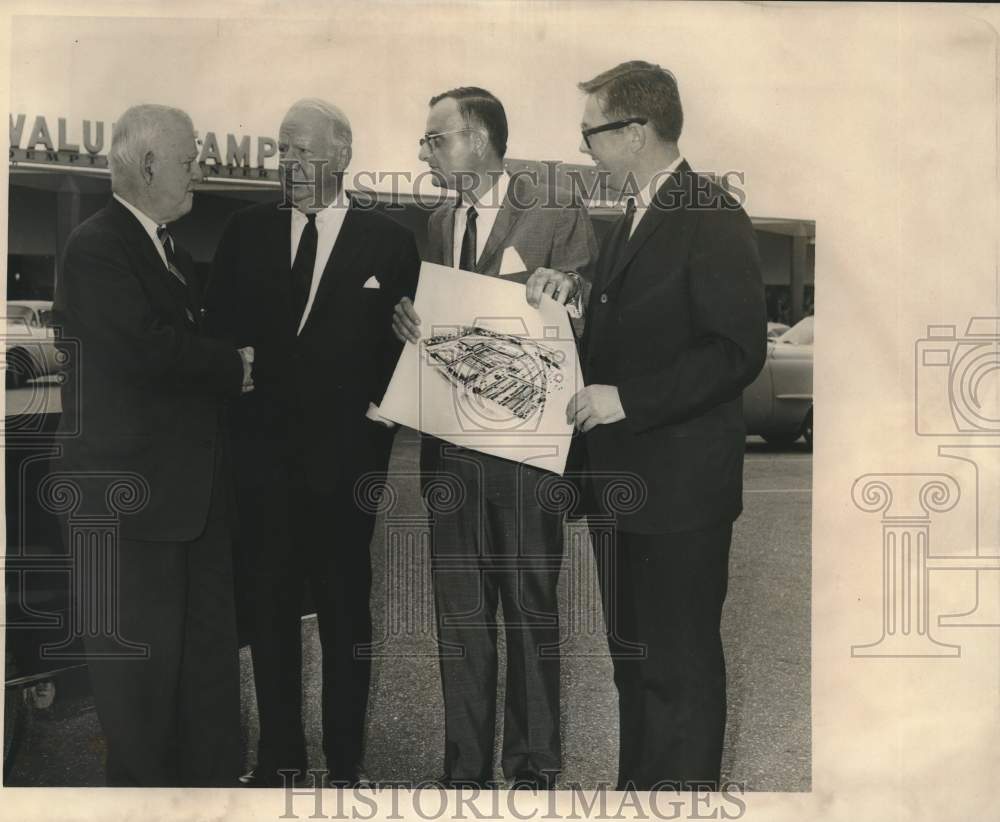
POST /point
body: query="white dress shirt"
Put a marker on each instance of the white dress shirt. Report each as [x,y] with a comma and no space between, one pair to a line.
[149,224]
[647,196]
[329,221]
[486,216]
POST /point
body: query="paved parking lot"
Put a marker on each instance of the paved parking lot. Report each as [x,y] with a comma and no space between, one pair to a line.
[766,628]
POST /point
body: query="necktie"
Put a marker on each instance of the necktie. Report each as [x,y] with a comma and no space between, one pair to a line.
[302,268]
[181,283]
[619,238]
[467,259]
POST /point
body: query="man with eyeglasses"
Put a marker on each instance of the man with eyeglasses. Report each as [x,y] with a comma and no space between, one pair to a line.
[507,548]
[675,330]
[310,282]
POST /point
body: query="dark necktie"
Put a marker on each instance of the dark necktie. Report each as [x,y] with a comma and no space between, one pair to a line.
[467,259]
[180,281]
[302,268]
[619,238]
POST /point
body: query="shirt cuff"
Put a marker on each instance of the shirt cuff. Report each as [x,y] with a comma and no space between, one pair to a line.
[373,414]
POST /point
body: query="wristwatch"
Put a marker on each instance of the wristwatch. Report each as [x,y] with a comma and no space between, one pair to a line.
[574,307]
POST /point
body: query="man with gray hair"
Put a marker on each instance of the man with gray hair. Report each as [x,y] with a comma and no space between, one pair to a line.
[310,282]
[148,398]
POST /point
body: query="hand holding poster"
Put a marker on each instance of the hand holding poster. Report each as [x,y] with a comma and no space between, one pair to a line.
[490,372]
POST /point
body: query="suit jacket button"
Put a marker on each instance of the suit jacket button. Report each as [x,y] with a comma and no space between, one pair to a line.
[604,298]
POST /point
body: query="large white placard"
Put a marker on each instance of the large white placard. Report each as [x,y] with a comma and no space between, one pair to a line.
[490,372]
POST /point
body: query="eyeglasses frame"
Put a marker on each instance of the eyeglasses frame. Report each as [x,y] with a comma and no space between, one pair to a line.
[587,133]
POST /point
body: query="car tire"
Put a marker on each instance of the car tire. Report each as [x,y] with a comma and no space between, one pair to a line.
[780,439]
[807,429]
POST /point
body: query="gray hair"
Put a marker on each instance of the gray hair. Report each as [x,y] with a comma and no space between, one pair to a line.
[135,133]
[340,126]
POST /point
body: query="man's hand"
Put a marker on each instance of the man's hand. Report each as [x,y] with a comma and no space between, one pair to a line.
[373,414]
[559,285]
[594,405]
[246,354]
[405,322]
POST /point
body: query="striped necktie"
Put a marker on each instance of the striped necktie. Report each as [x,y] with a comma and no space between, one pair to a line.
[168,249]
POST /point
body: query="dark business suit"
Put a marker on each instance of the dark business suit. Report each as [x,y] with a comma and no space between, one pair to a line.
[300,444]
[149,401]
[677,323]
[501,544]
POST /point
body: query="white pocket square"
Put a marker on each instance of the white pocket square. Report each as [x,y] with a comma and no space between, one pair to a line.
[371,282]
[511,262]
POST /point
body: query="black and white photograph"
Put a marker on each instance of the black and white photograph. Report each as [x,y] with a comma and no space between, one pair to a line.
[411,406]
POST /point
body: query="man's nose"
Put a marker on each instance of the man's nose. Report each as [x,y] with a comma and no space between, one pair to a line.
[424,153]
[584,148]
[197,175]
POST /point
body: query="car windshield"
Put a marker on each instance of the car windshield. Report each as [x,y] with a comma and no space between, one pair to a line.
[21,313]
[799,334]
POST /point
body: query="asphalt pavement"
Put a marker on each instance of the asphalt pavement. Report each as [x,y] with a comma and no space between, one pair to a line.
[766,629]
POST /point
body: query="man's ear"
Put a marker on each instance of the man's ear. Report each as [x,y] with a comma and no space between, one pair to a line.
[146,169]
[479,143]
[637,137]
[345,157]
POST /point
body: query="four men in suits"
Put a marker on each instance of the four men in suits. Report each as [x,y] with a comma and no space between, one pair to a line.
[676,329]
[309,290]
[310,284]
[149,402]
[502,545]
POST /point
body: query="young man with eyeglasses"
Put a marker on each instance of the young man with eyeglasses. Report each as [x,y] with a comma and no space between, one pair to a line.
[675,330]
[501,545]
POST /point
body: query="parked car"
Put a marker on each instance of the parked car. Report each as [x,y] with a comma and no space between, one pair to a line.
[29,343]
[779,404]
[775,330]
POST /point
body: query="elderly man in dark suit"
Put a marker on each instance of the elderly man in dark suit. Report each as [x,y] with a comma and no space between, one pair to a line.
[310,282]
[510,226]
[676,329]
[149,401]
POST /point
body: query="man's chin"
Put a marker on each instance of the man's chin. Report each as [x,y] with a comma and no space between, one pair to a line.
[438,179]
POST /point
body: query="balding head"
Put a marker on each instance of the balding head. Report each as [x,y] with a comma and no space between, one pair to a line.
[314,143]
[153,160]
[314,108]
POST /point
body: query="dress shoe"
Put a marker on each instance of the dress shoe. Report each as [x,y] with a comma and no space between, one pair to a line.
[450,783]
[257,778]
[531,781]
[358,779]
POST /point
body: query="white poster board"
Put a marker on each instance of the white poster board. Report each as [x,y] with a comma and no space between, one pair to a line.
[490,372]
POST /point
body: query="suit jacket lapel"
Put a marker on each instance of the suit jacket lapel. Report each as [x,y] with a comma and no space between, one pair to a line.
[671,198]
[507,218]
[161,278]
[349,244]
[448,236]
[279,244]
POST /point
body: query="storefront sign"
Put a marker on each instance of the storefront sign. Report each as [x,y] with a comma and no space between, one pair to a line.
[86,145]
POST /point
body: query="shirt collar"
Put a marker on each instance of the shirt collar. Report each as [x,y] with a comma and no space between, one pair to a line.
[646,198]
[493,198]
[144,219]
[324,215]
